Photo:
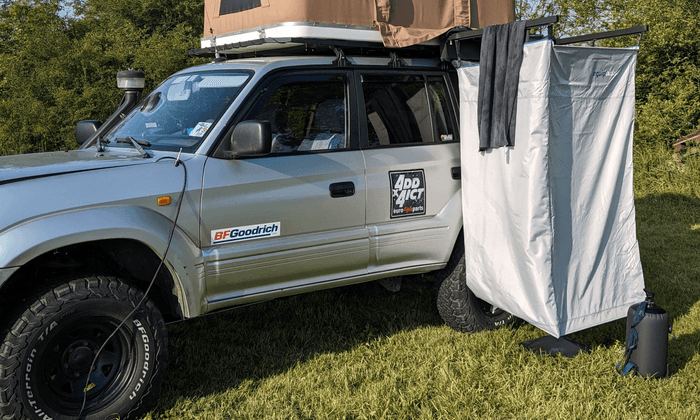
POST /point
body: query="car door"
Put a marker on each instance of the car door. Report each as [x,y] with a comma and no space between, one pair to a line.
[410,141]
[296,216]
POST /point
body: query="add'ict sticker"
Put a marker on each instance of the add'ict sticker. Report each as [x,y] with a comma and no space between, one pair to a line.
[407,193]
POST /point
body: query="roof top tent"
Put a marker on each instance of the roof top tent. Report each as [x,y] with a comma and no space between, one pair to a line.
[393,23]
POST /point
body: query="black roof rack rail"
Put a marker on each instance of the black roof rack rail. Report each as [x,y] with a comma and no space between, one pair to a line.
[636,30]
[465,43]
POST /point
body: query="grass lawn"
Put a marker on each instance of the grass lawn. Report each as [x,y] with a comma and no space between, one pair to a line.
[362,352]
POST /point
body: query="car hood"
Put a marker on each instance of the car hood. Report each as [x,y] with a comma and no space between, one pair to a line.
[20,167]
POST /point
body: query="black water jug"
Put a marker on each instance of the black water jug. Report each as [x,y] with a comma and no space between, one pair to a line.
[651,350]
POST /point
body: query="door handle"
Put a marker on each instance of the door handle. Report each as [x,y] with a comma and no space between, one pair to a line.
[457,172]
[342,189]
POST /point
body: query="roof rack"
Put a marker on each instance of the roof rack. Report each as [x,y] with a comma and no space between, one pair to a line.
[465,34]
[465,44]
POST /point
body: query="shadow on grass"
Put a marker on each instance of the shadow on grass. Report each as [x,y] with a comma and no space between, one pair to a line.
[215,353]
[668,231]
[668,228]
[682,350]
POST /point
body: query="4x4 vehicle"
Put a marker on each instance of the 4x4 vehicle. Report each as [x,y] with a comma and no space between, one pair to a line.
[230,183]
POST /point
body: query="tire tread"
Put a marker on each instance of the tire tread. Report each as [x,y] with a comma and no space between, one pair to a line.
[455,303]
[17,339]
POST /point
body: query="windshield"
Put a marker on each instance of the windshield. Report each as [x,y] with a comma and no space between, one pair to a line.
[181,111]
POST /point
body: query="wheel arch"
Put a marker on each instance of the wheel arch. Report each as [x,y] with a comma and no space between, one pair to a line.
[452,213]
[126,242]
[130,260]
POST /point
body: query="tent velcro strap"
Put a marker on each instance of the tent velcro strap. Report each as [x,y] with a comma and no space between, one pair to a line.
[632,341]
[629,367]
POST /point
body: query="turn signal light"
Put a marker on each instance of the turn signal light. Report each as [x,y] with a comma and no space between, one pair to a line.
[164,201]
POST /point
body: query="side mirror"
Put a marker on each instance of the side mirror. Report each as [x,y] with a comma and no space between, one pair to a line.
[251,138]
[85,129]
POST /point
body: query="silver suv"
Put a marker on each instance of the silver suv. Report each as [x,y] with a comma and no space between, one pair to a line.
[231,183]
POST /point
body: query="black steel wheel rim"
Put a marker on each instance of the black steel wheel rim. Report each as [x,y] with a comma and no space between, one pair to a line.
[488,309]
[68,357]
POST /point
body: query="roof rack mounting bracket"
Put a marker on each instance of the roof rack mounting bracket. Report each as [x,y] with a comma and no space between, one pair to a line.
[459,57]
[396,62]
[340,59]
[478,33]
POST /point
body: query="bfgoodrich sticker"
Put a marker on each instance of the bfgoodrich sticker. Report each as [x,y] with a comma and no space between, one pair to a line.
[245,233]
[407,193]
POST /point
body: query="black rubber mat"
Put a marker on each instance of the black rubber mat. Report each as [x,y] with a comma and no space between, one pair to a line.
[563,345]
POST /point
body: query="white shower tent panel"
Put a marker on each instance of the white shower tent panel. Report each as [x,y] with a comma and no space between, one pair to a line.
[549,224]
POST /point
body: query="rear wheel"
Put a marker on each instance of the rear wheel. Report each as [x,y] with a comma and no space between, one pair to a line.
[458,306]
[61,352]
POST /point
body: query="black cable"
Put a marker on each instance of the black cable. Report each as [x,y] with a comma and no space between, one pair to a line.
[153,280]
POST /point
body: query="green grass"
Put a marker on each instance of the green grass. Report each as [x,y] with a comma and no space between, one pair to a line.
[361,352]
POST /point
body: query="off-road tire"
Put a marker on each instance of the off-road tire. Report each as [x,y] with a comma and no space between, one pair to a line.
[457,305]
[46,356]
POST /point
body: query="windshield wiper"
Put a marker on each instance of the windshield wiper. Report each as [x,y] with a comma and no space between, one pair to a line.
[129,139]
[100,144]
[137,144]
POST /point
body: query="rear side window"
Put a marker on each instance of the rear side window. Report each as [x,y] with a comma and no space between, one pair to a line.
[441,110]
[407,109]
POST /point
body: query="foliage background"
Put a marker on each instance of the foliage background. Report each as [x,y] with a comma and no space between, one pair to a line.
[59,58]
[667,84]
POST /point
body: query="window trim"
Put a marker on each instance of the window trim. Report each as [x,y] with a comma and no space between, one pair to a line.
[272,81]
[425,75]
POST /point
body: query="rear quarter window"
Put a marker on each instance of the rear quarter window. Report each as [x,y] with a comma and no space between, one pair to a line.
[401,110]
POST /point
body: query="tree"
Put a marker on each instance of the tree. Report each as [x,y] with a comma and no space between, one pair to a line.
[31,83]
[668,70]
[59,58]
[668,95]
